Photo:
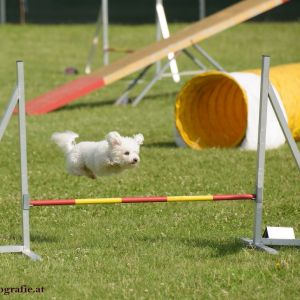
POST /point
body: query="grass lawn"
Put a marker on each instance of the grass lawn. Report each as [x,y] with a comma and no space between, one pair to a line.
[146,251]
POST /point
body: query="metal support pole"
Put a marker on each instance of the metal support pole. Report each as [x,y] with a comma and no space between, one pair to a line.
[8,112]
[163,25]
[2,12]
[105,42]
[202,12]
[22,10]
[194,59]
[260,168]
[284,126]
[158,33]
[123,99]
[265,92]
[138,99]
[209,58]
[95,43]
[23,154]
[261,149]
[18,97]
[102,21]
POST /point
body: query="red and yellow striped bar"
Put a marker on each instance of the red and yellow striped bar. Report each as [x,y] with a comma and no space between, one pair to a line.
[147,199]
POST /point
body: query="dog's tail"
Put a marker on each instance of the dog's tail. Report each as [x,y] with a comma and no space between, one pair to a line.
[65,140]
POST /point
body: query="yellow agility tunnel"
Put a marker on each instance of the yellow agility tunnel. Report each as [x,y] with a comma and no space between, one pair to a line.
[219,109]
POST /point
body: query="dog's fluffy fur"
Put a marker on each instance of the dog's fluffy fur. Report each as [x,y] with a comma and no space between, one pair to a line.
[110,156]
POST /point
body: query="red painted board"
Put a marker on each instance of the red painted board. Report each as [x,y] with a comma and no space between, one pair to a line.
[64,94]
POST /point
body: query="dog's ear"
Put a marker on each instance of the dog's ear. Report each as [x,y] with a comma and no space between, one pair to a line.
[139,138]
[114,139]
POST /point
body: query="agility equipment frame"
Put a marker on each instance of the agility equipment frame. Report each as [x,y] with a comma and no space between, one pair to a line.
[162,30]
[103,23]
[258,241]
[18,98]
[267,92]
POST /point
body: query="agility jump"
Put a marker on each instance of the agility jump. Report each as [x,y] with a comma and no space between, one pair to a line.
[231,16]
[147,199]
[258,240]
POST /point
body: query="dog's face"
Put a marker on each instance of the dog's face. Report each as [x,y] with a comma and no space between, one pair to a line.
[124,151]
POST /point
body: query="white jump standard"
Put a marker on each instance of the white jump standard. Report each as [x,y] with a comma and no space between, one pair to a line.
[267,91]
[18,97]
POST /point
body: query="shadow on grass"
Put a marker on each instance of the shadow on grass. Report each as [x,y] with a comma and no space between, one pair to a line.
[221,248]
[81,105]
[217,247]
[101,103]
[44,238]
[17,238]
[161,145]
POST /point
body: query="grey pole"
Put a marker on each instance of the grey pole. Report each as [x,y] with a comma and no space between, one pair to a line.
[157,76]
[18,96]
[105,43]
[194,59]
[260,163]
[209,58]
[158,34]
[284,126]
[8,112]
[23,153]
[2,12]
[95,42]
[261,147]
[123,99]
[24,172]
[267,92]
[202,12]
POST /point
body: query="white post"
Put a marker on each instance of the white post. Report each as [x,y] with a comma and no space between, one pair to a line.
[95,42]
[166,34]
[23,160]
[18,97]
[158,37]
[105,43]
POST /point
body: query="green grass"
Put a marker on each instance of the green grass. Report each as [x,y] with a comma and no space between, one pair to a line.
[150,251]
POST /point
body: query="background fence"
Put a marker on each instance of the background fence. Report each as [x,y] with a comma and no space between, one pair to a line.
[129,11]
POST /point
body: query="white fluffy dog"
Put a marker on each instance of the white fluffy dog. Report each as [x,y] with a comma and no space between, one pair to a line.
[110,156]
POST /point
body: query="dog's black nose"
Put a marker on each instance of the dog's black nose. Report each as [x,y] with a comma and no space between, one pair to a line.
[135,160]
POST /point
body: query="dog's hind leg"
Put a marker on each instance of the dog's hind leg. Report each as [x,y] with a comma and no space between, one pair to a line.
[87,172]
